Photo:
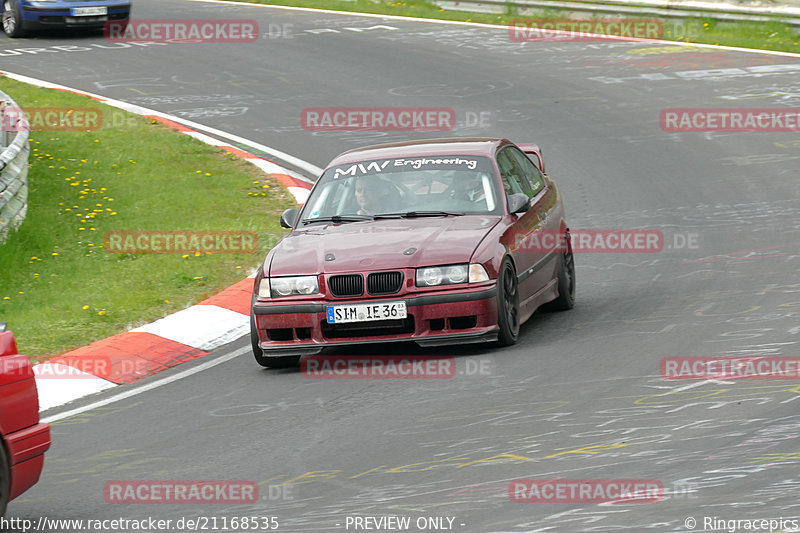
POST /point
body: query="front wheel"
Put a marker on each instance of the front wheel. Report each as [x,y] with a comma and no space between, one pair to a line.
[263,360]
[566,283]
[12,19]
[507,304]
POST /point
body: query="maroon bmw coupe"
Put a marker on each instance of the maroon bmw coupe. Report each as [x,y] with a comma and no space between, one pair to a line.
[424,241]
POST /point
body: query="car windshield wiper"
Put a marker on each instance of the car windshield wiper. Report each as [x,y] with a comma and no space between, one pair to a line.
[415,214]
[338,219]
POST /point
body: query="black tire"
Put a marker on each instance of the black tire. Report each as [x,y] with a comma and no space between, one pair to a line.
[507,304]
[12,19]
[5,481]
[566,283]
[263,360]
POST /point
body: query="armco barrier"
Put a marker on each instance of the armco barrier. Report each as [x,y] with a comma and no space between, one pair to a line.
[726,10]
[14,153]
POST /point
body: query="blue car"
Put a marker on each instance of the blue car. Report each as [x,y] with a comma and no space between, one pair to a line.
[21,16]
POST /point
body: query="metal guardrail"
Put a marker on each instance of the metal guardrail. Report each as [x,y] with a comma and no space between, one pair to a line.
[729,10]
[14,154]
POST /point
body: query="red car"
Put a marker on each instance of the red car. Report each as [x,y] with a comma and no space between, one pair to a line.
[423,241]
[23,439]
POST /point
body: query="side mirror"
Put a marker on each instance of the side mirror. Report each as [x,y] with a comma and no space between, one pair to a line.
[289,217]
[3,326]
[518,203]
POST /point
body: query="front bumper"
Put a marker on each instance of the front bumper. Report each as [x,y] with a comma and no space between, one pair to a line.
[40,17]
[434,319]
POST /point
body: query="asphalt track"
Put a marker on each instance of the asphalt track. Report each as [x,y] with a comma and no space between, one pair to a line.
[580,395]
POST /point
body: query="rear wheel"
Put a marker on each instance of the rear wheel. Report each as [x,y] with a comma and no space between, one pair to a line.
[12,19]
[507,304]
[5,481]
[263,360]
[566,283]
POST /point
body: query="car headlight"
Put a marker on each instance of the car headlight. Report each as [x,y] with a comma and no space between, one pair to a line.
[288,286]
[450,275]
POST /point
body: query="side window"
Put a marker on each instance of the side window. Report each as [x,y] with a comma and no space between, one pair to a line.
[529,175]
[509,174]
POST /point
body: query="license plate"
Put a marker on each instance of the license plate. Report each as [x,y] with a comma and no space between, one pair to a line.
[341,314]
[88,11]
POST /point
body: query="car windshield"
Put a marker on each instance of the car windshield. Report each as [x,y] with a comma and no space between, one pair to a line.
[414,186]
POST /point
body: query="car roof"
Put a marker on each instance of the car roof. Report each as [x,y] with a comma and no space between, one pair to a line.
[428,147]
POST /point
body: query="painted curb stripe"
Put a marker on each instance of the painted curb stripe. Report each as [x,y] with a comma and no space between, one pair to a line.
[201,326]
[127,357]
[236,297]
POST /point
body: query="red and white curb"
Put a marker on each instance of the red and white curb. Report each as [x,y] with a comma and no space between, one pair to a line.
[179,337]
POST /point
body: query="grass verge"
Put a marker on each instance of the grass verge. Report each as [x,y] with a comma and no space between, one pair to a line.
[772,35]
[59,288]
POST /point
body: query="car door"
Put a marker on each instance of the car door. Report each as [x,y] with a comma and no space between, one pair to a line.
[544,201]
[527,255]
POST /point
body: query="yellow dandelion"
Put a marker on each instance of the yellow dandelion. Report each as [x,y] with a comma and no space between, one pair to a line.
[85,307]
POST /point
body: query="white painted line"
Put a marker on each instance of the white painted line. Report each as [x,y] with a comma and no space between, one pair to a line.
[54,391]
[150,386]
[201,326]
[484,25]
[202,137]
[290,159]
[271,168]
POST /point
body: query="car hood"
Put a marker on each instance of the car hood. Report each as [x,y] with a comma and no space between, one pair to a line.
[380,244]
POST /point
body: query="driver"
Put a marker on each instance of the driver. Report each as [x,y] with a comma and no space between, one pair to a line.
[370,196]
[470,188]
